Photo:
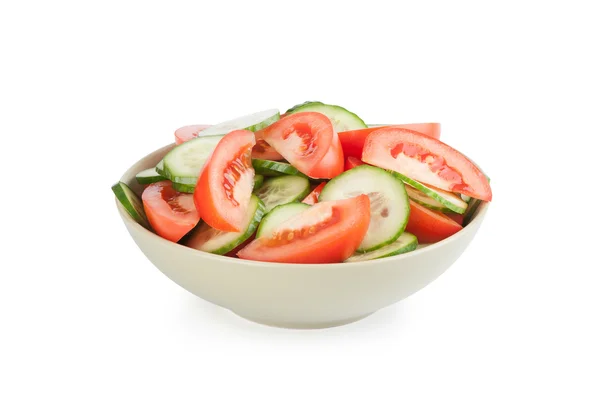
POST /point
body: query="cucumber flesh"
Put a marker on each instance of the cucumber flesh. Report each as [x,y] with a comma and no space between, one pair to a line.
[389,202]
[149,176]
[283,190]
[211,240]
[278,215]
[181,187]
[160,168]
[252,122]
[405,243]
[258,181]
[341,118]
[131,202]
[271,168]
[446,199]
[465,198]
[184,162]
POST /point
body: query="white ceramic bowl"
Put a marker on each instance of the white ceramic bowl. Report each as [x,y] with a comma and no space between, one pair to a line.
[296,295]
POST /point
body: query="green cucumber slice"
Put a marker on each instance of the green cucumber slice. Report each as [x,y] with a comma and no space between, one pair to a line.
[465,198]
[160,168]
[184,162]
[341,118]
[279,215]
[131,202]
[181,187]
[405,243]
[258,181]
[271,168]
[473,204]
[149,176]
[389,202]
[252,122]
[283,190]
[446,199]
[211,240]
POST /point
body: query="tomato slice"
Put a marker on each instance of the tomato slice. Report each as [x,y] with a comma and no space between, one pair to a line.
[171,214]
[426,160]
[332,163]
[303,139]
[352,162]
[224,188]
[430,226]
[262,150]
[457,218]
[185,133]
[328,232]
[353,141]
[313,197]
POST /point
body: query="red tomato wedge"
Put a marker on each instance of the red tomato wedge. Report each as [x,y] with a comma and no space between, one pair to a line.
[353,141]
[171,214]
[332,163]
[313,197]
[328,232]
[262,150]
[185,133]
[352,162]
[430,226]
[303,139]
[457,218]
[426,160]
[224,188]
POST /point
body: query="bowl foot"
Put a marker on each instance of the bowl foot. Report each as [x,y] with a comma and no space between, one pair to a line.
[302,325]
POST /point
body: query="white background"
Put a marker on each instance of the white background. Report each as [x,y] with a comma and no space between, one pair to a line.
[90,327]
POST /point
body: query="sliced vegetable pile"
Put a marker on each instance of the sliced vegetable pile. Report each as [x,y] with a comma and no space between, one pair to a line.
[314,185]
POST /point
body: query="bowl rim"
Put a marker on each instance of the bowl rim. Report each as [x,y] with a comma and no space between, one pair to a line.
[475,221]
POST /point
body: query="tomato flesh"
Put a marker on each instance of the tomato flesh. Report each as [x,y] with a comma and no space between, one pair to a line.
[353,141]
[304,139]
[426,160]
[223,191]
[171,214]
[313,197]
[262,150]
[332,163]
[185,133]
[328,232]
[430,226]
[352,162]
[457,218]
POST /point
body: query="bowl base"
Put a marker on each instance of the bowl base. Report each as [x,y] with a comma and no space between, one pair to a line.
[302,325]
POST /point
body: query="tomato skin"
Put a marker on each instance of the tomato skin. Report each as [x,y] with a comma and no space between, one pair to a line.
[352,162]
[313,197]
[225,184]
[430,226]
[171,214]
[185,133]
[353,141]
[457,218]
[334,241]
[426,160]
[304,139]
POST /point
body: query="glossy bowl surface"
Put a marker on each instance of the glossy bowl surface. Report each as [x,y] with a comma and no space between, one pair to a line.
[296,295]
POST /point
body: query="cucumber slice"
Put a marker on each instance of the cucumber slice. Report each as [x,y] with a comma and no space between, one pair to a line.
[405,243]
[160,168]
[258,181]
[131,202]
[389,202]
[211,240]
[184,162]
[252,122]
[181,187]
[473,204]
[341,118]
[278,215]
[283,190]
[271,168]
[465,198]
[446,199]
[149,176]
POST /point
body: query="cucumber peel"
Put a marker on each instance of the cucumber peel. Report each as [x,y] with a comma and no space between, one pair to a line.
[132,203]
[342,119]
[405,243]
